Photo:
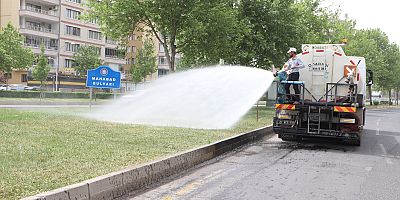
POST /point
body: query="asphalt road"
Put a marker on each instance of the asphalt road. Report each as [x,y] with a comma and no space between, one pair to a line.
[273,169]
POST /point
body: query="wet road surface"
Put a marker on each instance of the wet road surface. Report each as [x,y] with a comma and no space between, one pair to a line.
[273,169]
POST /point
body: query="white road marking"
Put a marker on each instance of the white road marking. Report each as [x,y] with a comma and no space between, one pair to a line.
[388,160]
[377,126]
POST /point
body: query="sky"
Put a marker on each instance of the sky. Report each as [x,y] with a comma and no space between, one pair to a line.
[381,14]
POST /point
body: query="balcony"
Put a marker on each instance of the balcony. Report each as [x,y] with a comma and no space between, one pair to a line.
[50,50]
[112,42]
[54,2]
[49,15]
[115,59]
[39,31]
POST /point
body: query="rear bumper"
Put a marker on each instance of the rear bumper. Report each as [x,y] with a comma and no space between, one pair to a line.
[290,127]
[322,133]
[327,121]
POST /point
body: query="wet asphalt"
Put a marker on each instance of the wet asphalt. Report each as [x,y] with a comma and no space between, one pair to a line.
[317,169]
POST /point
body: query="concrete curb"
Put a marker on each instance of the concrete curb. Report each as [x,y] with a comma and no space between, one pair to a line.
[117,184]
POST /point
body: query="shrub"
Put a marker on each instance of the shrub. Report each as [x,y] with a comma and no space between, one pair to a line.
[60,95]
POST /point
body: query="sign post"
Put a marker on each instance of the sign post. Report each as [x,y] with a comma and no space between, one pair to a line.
[91,97]
[102,77]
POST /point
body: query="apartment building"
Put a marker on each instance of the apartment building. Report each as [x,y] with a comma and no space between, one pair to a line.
[56,23]
[75,33]
[135,42]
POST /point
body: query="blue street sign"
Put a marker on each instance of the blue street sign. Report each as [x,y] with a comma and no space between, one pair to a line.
[103,77]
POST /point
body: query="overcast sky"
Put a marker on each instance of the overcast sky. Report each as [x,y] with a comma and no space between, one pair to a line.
[381,14]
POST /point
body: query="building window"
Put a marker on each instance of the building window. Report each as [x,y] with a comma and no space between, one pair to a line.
[162,72]
[162,60]
[111,53]
[35,42]
[131,61]
[131,49]
[161,48]
[114,53]
[33,7]
[110,41]
[71,47]
[75,1]
[71,30]
[69,63]
[94,21]
[32,41]
[73,14]
[132,37]
[98,50]
[33,25]
[24,78]
[94,35]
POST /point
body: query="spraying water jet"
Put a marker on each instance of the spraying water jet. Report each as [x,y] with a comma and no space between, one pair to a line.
[205,98]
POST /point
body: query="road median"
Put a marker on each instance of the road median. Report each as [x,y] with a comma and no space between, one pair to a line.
[117,184]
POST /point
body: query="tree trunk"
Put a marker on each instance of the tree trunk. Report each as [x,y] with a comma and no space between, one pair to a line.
[390,96]
[41,91]
[170,56]
[173,52]
[397,96]
[6,79]
[163,41]
[370,95]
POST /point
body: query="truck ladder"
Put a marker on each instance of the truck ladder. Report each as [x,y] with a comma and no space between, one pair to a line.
[313,125]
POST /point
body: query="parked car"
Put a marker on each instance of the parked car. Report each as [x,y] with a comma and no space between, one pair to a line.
[17,87]
[32,88]
[4,87]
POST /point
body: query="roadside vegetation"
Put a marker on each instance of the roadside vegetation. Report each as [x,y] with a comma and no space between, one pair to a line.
[249,33]
[43,150]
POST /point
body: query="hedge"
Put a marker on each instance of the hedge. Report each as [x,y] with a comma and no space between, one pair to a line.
[60,95]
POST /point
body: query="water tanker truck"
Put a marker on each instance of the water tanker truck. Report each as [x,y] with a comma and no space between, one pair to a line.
[332,97]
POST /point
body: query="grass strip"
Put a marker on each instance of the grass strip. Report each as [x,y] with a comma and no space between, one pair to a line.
[43,150]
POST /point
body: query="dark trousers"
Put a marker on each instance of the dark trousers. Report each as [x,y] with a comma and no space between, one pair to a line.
[293,77]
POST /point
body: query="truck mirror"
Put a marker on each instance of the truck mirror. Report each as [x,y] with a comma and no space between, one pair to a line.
[370,78]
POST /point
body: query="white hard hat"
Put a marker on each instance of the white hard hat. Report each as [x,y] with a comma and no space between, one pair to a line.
[292,50]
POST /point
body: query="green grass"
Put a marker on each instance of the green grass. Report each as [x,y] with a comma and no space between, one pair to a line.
[48,149]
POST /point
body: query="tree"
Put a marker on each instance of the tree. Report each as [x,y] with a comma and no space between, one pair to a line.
[145,62]
[87,57]
[215,33]
[271,31]
[381,57]
[41,71]
[392,56]
[171,22]
[372,44]
[12,53]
